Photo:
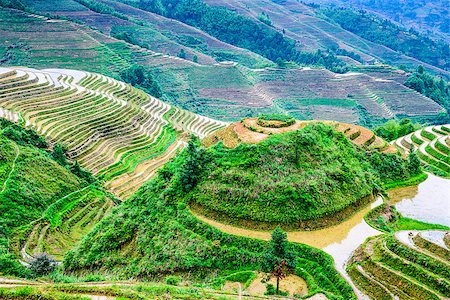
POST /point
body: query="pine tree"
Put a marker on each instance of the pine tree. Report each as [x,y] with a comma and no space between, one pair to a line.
[278,258]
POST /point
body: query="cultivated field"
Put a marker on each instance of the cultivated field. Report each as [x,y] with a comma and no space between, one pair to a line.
[432,145]
[407,265]
[249,131]
[225,91]
[110,128]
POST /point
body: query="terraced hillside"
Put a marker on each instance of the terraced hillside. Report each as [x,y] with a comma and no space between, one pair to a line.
[407,265]
[250,131]
[225,91]
[432,145]
[301,22]
[114,130]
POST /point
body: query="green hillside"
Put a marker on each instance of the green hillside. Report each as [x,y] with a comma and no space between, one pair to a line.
[37,190]
[190,65]
[153,234]
[305,179]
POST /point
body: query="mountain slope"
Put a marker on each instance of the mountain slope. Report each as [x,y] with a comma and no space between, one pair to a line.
[224,91]
[109,127]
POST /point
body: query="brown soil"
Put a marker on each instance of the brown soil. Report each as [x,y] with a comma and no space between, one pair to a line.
[240,132]
[291,284]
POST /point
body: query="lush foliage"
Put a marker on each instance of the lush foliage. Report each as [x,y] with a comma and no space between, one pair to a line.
[430,86]
[154,233]
[285,119]
[299,176]
[387,33]
[22,136]
[240,31]
[392,129]
[31,180]
[101,8]
[42,264]
[137,76]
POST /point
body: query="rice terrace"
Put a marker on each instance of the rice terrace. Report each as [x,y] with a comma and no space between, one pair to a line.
[210,149]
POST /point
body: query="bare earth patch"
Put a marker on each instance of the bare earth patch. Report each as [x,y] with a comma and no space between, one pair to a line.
[292,284]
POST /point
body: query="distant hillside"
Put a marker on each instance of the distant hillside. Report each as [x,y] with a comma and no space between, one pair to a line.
[190,65]
[429,17]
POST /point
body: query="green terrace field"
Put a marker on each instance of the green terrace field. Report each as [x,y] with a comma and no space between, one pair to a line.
[45,207]
[225,91]
[405,265]
[114,130]
[432,145]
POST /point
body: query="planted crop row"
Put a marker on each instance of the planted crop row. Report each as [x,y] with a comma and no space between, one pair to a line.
[431,146]
[108,126]
[385,268]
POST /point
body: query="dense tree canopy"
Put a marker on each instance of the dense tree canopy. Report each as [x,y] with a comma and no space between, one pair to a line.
[386,33]
[240,31]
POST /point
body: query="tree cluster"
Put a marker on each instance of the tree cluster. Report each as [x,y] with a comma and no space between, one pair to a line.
[137,76]
[431,86]
[384,32]
[241,31]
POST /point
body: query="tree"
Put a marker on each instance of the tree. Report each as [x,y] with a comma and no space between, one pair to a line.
[278,258]
[59,154]
[42,264]
[414,162]
[420,69]
[192,167]
[182,54]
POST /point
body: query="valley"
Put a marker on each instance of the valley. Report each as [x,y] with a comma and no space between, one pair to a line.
[209,149]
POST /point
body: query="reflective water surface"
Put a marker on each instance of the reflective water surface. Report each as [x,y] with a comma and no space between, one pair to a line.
[428,202]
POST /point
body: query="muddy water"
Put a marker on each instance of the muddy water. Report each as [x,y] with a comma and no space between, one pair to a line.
[354,229]
[428,202]
[339,241]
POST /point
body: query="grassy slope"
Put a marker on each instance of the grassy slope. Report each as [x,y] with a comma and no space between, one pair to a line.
[264,183]
[32,183]
[153,234]
[401,270]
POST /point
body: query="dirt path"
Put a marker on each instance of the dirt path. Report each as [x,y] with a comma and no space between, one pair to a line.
[12,169]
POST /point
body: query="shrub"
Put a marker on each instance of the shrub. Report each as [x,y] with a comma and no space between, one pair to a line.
[42,264]
[173,280]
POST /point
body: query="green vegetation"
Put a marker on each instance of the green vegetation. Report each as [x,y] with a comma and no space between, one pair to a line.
[34,185]
[386,33]
[278,258]
[384,266]
[139,77]
[240,31]
[392,129]
[154,233]
[101,8]
[430,86]
[286,120]
[301,178]
[121,291]
[386,218]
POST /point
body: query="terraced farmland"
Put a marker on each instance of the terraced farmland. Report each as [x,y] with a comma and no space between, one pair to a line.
[432,145]
[109,127]
[407,265]
[62,224]
[249,131]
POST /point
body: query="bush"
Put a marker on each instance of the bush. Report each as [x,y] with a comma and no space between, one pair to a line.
[42,264]
[173,280]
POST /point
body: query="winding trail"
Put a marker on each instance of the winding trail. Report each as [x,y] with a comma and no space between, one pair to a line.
[12,168]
